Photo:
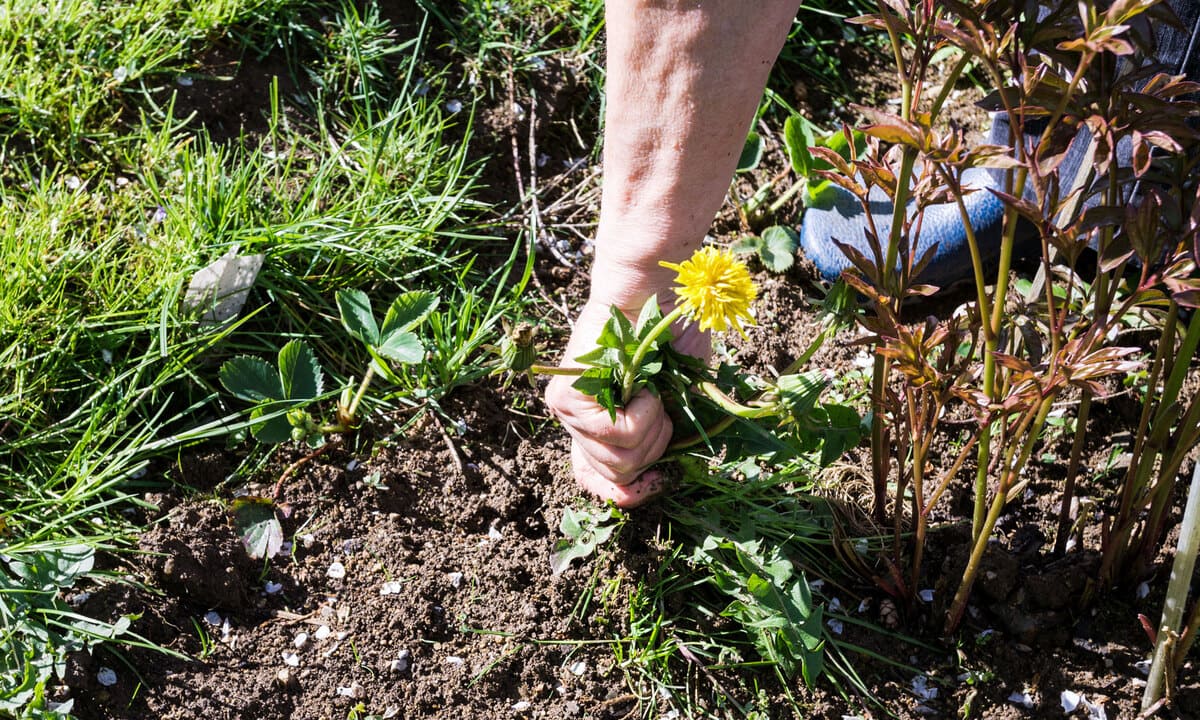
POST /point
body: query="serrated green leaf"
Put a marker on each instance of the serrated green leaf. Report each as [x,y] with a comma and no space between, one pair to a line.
[357,317]
[258,525]
[299,372]
[746,245]
[402,346]
[778,249]
[751,152]
[274,430]
[249,378]
[797,137]
[408,311]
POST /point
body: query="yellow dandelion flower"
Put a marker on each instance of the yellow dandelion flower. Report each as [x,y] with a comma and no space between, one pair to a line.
[716,289]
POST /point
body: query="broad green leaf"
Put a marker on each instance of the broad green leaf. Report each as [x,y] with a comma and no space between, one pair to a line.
[778,249]
[402,346]
[599,357]
[566,551]
[299,372]
[573,522]
[746,245]
[598,382]
[751,152]
[357,318]
[649,316]
[249,378]
[797,137]
[408,311]
[275,430]
[255,520]
[56,568]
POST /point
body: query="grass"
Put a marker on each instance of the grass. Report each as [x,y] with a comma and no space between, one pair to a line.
[365,178]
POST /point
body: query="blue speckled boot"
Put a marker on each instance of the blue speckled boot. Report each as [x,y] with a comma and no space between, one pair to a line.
[838,215]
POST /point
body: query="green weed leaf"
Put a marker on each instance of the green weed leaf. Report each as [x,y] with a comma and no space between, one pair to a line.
[752,152]
[274,430]
[251,379]
[797,137]
[357,318]
[408,311]
[258,525]
[402,347]
[778,249]
[299,372]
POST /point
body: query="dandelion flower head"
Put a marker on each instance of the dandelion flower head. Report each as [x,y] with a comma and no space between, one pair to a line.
[715,288]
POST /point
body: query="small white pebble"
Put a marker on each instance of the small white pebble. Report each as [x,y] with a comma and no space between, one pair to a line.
[835,625]
[454,660]
[272,587]
[835,605]
[355,691]
[1142,666]
[455,579]
[300,640]
[926,595]
[322,632]
[352,466]
[212,617]
[578,668]
[454,105]
[106,677]
[392,587]
[307,540]
[106,355]
[1143,590]
[336,570]
[522,705]
[78,599]
[816,585]
[391,712]
[291,659]
[184,81]
[341,635]
[1023,698]
[494,533]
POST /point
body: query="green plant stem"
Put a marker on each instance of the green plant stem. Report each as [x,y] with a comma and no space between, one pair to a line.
[648,342]
[1064,510]
[1029,428]
[1177,592]
[352,411]
[733,407]
[1153,440]
[991,343]
[787,195]
[693,440]
[556,370]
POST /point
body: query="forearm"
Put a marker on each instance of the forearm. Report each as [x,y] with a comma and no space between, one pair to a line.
[684,79]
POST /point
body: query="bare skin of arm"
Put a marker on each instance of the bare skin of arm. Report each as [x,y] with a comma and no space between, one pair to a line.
[684,80]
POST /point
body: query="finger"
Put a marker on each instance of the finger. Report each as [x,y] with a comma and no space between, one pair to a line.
[627,429]
[648,486]
[622,465]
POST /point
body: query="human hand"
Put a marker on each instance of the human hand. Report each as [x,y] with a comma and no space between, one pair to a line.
[609,457]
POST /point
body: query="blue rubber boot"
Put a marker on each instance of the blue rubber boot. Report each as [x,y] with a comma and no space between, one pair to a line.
[838,215]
